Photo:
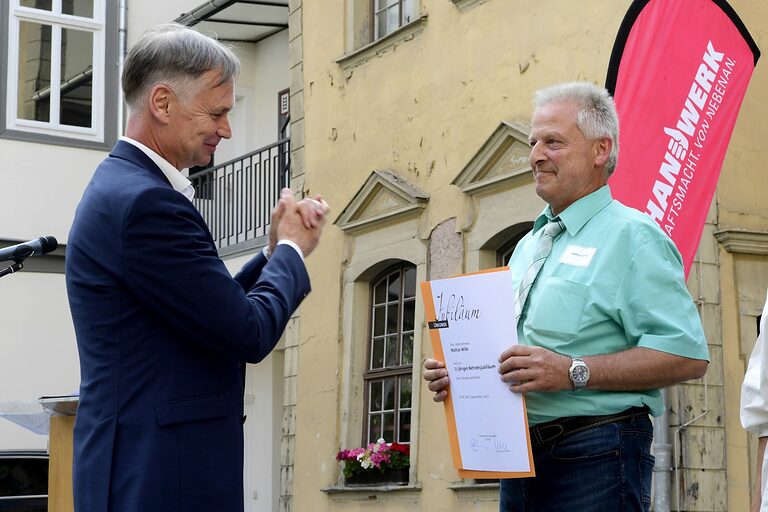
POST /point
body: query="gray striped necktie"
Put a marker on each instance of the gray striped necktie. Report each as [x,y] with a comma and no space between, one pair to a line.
[551,230]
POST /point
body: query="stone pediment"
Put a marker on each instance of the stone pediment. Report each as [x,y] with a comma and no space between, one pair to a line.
[744,241]
[501,160]
[384,197]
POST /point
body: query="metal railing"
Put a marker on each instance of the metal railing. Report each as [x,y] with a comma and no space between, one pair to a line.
[236,198]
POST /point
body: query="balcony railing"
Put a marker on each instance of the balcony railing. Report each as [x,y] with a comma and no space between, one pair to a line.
[236,198]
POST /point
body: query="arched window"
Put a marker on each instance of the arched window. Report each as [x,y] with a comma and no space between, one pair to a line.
[505,251]
[509,240]
[389,361]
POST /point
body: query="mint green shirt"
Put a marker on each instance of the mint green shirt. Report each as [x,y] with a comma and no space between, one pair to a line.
[613,281]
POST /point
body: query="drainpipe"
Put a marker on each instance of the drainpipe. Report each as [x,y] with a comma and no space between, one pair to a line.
[122,42]
[662,450]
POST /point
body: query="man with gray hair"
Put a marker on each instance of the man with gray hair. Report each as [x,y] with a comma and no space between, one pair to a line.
[604,319]
[163,329]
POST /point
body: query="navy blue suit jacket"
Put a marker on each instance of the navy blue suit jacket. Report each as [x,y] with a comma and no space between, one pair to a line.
[162,331]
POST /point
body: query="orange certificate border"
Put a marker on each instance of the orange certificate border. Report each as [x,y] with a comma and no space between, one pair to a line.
[450,416]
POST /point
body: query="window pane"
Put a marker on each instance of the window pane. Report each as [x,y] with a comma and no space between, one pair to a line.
[505,256]
[389,395]
[383,4]
[378,320]
[392,326]
[393,18]
[389,427]
[409,11]
[407,357]
[82,8]
[394,287]
[505,251]
[377,353]
[34,71]
[404,427]
[391,359]
[410,283]
[405,392]
[374,429]
[76,75]
[375,397]
[409,313]
[381,24]
[45,5]
[380,292]
[388,413]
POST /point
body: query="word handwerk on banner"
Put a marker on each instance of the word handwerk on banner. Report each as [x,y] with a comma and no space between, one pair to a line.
[687,141]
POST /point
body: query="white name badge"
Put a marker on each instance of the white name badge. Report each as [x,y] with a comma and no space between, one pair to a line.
[578,256]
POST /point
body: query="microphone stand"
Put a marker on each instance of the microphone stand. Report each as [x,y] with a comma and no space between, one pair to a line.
[13,268]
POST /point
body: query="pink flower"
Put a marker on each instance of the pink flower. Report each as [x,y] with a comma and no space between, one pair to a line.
[378,458]
[379,455]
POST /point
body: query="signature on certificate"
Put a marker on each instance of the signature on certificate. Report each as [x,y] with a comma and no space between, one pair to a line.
[489,443]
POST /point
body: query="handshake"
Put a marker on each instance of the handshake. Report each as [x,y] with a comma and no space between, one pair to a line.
[300,222]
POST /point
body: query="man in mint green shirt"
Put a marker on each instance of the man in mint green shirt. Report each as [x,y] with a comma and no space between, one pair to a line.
[613,284]
[605,319]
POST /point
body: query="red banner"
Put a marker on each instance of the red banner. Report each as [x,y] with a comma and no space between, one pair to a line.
[678,74]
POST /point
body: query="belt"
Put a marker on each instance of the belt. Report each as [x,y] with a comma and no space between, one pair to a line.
[547,432]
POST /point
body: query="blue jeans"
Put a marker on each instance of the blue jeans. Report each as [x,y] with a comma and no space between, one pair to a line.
[602,469]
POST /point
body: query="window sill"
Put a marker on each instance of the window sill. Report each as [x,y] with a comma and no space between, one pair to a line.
[371,489]
[466,5]
[476,493]
[383,45]
[473,487]
[62,140]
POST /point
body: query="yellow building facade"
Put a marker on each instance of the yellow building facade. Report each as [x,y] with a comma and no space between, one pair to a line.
[418,140]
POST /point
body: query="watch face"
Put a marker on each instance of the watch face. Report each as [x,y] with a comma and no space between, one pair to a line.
[580,373]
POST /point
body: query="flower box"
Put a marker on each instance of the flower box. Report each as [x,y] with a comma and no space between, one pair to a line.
[392,476]
[379,463]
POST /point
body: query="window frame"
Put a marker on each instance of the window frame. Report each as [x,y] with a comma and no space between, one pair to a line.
[396,372]
[374,20]
[507,248]
[359,46]
[102,134]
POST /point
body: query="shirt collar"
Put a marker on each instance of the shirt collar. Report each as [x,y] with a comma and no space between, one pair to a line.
[575,216]
[178,181]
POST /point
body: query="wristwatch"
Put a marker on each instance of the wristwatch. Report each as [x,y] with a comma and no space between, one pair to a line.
[579,373]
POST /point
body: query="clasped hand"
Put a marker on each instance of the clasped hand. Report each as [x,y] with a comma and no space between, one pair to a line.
[301,222]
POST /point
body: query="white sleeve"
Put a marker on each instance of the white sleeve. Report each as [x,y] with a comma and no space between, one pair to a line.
[294,245]
[754,391]
[267,254]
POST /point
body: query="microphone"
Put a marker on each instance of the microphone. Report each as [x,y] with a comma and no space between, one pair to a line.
[19,252]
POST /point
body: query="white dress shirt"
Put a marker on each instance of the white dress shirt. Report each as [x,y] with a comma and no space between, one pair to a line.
[181,184]
[178,181]
[754,399]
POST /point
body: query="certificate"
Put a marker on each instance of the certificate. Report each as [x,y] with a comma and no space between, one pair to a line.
[471,321]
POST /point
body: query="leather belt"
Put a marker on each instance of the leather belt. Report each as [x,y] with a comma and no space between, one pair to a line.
[544,433]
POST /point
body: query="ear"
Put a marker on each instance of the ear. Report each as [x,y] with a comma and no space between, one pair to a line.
[160,98]
[602,150]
